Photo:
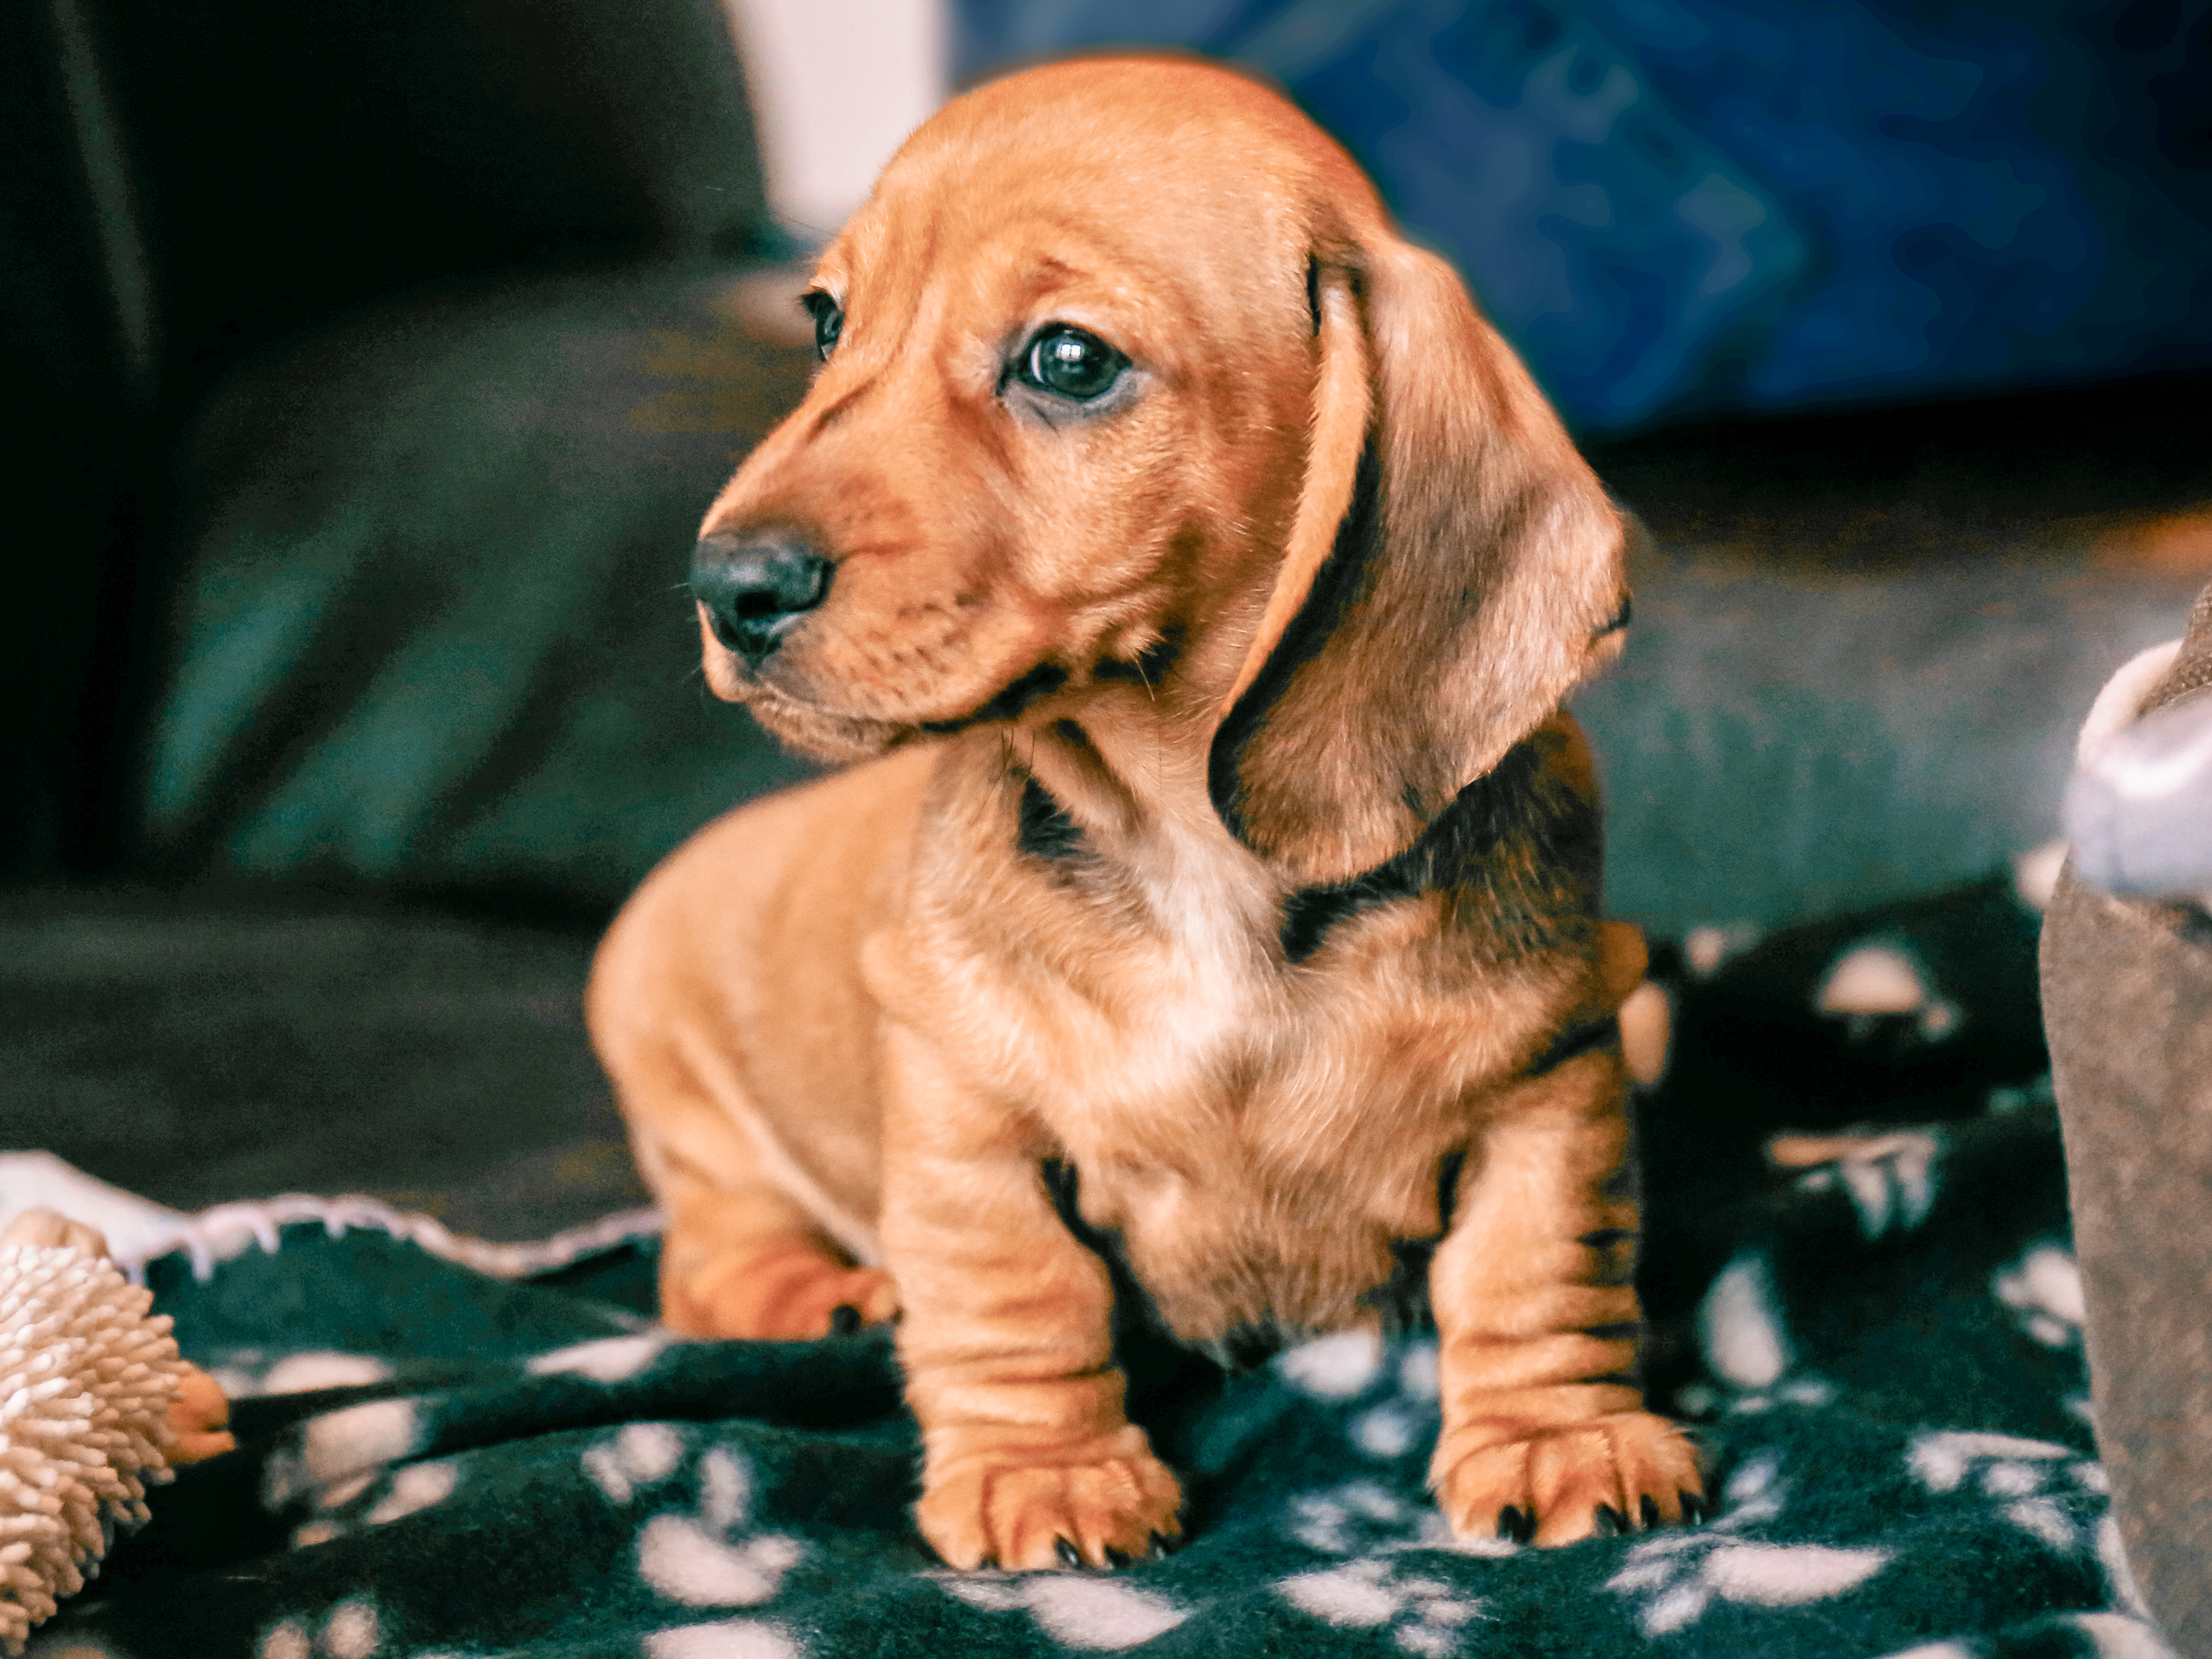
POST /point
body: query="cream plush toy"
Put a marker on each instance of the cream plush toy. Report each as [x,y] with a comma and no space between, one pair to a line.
[95,1406]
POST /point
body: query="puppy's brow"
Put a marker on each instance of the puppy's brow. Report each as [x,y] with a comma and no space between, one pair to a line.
[1044,275]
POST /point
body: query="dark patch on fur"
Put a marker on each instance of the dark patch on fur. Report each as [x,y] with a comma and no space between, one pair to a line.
[1313,293]
[1338,584]
[1448,1174]
[1063,1184]
[1515,853]
[1621,618]
[1402,1299]
[1042,681]
[1153,1358]
[1043,828]
[1575,1041]
[1310,913]
[1160,1370]
[1247,1347]
[1148,664]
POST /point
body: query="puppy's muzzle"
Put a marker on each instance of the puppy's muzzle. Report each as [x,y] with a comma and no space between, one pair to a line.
[756,592]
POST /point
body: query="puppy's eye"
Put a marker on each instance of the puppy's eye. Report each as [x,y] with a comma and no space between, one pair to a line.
[829,321]
[1073,363]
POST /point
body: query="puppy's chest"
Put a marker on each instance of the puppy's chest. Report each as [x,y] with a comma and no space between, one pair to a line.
[1265,1175]
[1255,1094]
[1258,1137]
[1193,1001]
[1277,1097]
[1188,1012]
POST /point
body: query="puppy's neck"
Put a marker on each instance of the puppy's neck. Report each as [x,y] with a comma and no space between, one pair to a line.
[1126,765]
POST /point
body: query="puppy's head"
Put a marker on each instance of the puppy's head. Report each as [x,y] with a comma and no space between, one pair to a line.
[1125,376]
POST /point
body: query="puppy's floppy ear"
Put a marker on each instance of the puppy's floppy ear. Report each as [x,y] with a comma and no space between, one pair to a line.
[1455,569]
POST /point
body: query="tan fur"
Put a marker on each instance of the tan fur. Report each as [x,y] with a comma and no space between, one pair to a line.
[852,1025]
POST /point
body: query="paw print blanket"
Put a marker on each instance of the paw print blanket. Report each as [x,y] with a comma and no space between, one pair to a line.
[1864,1304]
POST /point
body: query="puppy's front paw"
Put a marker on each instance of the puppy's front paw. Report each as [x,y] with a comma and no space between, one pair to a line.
[788,1291]
[1101,1503]
[1593,1480]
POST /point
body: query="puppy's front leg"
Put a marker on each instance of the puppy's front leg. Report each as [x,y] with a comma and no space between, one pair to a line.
[1007,1342]
[1545,1434]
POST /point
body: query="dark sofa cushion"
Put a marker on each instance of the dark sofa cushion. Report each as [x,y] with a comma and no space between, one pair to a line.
[292,159]
[186,186]
[1863,643]
[430,631]
[208,1048]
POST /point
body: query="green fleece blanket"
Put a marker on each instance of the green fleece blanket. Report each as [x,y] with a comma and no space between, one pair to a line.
[1881,1356]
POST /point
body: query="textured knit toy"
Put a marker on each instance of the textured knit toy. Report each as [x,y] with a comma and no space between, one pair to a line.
[95,1406]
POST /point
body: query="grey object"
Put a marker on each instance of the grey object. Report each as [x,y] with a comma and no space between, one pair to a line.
[190,189]
[2139,810]
[2127,1002]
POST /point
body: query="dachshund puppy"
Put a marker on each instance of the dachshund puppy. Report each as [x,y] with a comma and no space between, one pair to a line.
[1213,575]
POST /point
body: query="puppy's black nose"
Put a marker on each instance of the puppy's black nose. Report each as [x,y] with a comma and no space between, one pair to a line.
[756,592]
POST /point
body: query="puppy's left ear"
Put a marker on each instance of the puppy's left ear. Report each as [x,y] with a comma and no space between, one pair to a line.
[1454,571]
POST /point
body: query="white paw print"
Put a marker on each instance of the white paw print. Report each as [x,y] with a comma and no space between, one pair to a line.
[1357,1519]
[2044,1290]
[1892,1181]
[1746,1341]
[2037,1483]
[1424,1615]
[1338,1366]
[1077,1610]
[1677,1575]
[711,1558]
[335,1450]
[1350,1364]
[1875,978]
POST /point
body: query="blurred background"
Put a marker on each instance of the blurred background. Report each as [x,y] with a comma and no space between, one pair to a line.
[1686,207]
[376,364]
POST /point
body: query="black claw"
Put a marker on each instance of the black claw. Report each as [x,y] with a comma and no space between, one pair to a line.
[1160,1548]
[1650,1511]
[1694,1508]
[1514,1527]
[844,1320]
[1115,1558]
[1610,1522]
[1069,1556]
